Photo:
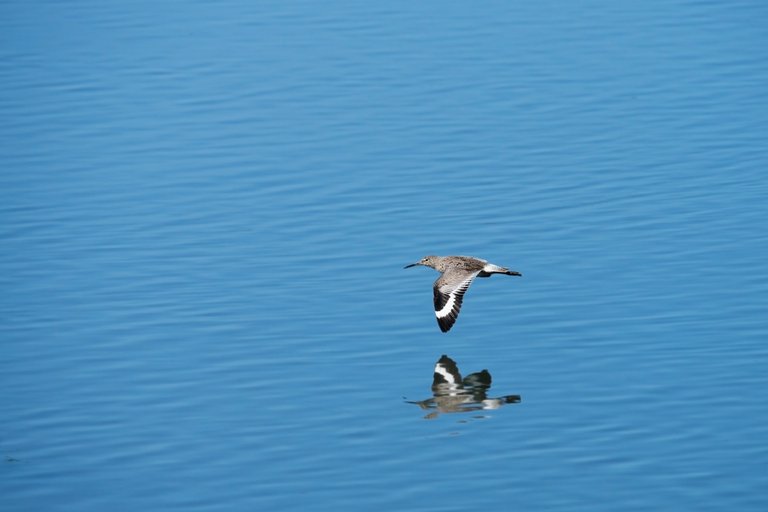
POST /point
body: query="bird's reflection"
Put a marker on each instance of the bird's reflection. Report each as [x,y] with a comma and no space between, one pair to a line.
[451,393]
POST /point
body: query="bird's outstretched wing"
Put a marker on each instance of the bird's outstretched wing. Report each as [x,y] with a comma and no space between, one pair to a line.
[449,291]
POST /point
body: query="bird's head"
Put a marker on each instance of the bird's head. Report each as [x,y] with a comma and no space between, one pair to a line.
[427,261]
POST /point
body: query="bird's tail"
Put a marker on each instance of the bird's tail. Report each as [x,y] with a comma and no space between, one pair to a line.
[495,269]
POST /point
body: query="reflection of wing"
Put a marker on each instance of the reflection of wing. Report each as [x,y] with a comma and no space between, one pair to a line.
[449,291]
[446,372]
[478,380]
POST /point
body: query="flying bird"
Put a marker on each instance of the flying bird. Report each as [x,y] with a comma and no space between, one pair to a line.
[457,273]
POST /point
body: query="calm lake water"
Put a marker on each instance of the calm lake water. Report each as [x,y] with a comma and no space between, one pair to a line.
[205,210]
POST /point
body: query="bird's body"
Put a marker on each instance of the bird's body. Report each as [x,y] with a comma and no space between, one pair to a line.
[457,273]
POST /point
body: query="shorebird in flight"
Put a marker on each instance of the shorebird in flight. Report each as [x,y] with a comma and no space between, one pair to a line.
[457,273]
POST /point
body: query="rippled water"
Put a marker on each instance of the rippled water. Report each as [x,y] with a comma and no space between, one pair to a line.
[205,210]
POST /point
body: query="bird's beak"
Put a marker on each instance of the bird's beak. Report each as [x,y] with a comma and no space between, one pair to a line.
[411,265]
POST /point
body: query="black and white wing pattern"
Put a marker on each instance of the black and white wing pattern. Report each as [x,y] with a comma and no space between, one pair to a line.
[449,292]
[446,373]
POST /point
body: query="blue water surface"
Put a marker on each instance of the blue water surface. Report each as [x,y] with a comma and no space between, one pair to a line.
[205,210]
